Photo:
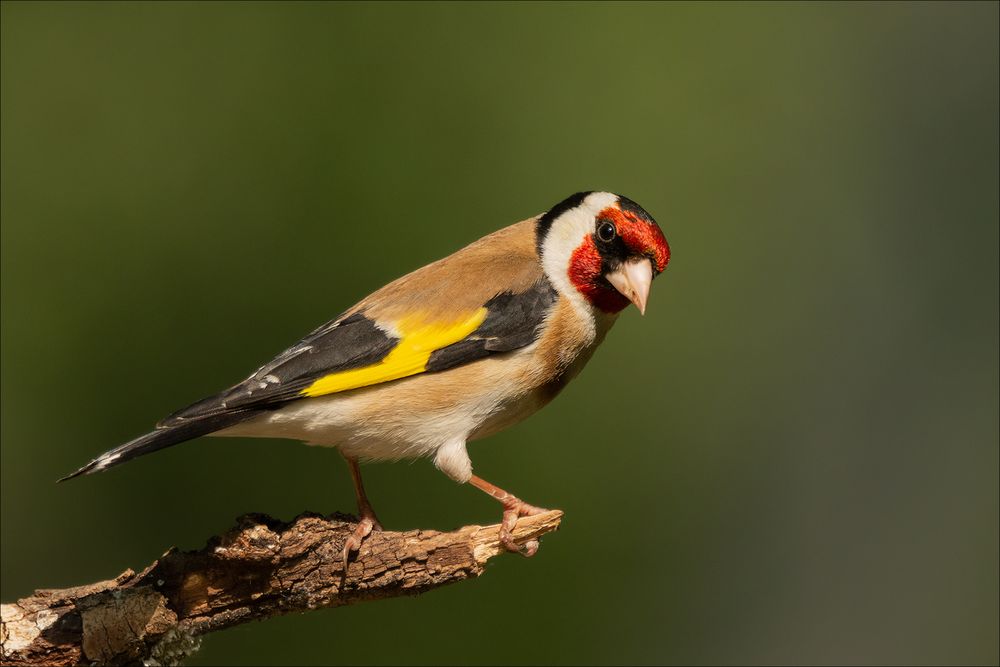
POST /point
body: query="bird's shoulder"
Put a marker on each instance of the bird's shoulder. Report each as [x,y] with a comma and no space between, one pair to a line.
[504,261]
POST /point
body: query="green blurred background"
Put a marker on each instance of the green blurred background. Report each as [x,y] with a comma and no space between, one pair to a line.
[792,457]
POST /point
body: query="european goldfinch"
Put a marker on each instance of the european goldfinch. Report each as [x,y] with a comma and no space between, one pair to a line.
[452,352]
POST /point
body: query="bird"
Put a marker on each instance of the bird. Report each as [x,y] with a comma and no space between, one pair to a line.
[450,353]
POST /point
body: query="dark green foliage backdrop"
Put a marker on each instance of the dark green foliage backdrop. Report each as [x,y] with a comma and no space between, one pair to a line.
[792,457]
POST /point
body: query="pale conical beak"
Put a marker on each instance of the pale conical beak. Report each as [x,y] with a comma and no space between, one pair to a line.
[633,279]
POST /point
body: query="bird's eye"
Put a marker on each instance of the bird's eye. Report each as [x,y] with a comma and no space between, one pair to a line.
[606,231]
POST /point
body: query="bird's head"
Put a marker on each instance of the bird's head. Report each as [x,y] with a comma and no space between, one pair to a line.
[603,246]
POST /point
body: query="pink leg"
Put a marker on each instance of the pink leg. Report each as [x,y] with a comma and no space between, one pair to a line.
[367,521]
[513,509]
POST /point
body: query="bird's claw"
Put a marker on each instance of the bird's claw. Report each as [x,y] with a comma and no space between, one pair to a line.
[513,511]
[366,525]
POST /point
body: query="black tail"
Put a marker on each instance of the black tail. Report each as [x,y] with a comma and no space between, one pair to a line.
[163,437]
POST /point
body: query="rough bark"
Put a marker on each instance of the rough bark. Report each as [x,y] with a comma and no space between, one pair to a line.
[260,568]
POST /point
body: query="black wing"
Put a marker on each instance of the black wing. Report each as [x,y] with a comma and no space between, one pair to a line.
[342,344]
[512,321]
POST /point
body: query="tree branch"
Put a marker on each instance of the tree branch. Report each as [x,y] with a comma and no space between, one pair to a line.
[261,568]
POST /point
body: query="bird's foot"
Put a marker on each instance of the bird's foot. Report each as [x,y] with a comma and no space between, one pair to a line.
[367,524]
[514,509]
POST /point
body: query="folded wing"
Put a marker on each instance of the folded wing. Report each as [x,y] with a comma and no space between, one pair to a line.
[499,298]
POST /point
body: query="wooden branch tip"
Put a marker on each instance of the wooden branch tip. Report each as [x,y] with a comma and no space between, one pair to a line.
[262,567]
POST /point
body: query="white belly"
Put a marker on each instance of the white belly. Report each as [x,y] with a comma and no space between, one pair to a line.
[407,418]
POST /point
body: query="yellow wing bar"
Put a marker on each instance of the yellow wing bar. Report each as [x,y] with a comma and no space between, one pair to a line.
[418,340]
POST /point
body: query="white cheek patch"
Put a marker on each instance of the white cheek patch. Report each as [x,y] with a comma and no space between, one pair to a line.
[566,234]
